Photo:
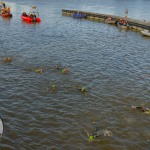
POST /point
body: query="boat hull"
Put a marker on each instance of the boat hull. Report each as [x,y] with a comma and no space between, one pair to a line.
[29,19]
[145,33]
[7,15]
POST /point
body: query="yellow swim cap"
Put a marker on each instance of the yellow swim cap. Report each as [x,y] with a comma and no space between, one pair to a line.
[91,138]
[147,112]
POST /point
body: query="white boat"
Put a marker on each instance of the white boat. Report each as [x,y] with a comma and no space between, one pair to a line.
[145,32]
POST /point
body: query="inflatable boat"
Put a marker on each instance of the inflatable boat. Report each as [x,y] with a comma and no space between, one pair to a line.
[32,17]
[6,15]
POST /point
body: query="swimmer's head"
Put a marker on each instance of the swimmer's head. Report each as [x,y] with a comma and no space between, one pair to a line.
[147,112]
[83,89]
[53,87]
[133,107]
[7,59]
[62,71]
[39,71]
[91,138]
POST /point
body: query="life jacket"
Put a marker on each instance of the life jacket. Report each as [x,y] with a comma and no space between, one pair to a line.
[121,21]
[8,10]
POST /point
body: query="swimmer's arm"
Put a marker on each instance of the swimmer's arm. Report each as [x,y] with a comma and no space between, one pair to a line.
[87,133]
[96,140]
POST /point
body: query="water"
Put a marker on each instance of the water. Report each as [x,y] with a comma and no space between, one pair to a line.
[112,64]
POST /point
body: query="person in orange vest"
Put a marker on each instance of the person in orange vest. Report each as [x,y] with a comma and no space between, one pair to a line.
[8,10]
[121,21]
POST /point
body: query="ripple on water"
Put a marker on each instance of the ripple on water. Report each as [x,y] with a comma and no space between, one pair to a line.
[112,65]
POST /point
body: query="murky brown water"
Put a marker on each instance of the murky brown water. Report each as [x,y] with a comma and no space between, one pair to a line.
[113,65]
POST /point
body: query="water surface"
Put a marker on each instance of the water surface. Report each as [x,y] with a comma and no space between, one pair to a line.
[112,64]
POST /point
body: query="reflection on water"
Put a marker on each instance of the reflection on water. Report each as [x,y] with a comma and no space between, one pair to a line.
[6,19]
[112,64]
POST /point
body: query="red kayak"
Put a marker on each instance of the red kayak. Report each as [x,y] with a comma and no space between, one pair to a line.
[6,15]
[30,18]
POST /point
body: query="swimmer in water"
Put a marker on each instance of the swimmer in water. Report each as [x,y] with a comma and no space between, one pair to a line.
[141,108]
[63,70]
[53,88]
[98,133]
[39,71]
[82,89]
[7,59]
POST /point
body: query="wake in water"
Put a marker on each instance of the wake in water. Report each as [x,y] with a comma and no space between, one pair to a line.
[98,134]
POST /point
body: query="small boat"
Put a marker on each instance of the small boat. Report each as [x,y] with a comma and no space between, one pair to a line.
[78,15]
[31,17]
[6,15]
[145,32]
[5,11]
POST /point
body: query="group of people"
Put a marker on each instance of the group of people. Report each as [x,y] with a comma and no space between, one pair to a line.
[123,22]
[97,133]
[5,9]
[30,15]
[107,133]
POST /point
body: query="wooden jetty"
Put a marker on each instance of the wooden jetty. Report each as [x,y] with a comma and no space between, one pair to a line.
[134,24]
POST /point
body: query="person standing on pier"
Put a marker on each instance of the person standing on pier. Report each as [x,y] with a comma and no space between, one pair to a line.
[126,14]
[4,6]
